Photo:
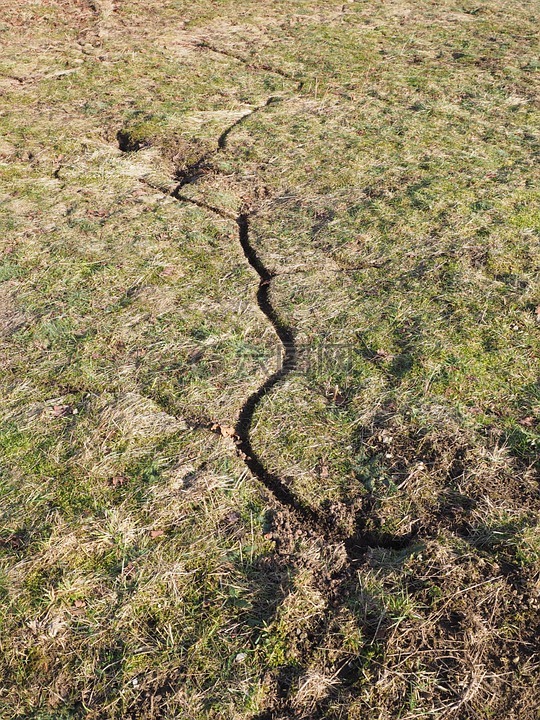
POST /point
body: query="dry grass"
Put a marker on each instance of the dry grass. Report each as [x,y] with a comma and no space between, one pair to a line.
[144,572]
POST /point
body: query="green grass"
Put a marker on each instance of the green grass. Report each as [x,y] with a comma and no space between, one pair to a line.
[144,572]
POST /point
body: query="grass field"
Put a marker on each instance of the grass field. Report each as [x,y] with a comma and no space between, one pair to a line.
[189,190]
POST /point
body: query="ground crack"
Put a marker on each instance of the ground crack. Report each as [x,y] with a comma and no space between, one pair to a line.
[264,67]
[193,172]
[322,526]
[310,522]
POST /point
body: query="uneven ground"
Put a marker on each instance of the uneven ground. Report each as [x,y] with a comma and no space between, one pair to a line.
[186,534]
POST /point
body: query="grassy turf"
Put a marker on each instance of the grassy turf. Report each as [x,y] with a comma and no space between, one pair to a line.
[392,185]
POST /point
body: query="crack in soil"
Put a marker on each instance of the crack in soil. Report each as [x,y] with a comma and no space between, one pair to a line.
[309,522]
[194,171]
[264,67]
[361,540]
[245,417]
